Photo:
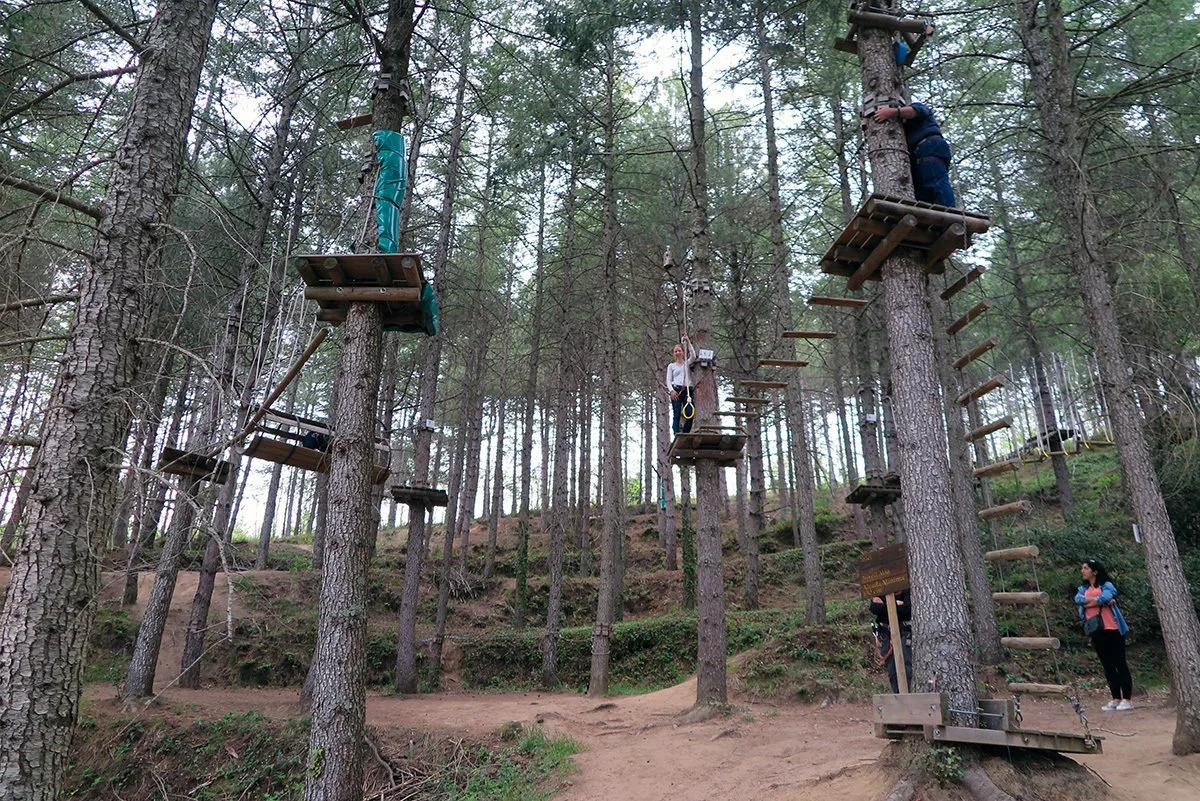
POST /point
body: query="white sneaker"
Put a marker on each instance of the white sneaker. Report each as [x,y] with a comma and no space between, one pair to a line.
[1112,705]
[1124,705]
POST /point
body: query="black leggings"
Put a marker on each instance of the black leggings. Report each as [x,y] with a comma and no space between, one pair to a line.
[1110,647]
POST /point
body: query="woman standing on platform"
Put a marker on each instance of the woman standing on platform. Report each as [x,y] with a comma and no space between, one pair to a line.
[1102,621]
[679,387]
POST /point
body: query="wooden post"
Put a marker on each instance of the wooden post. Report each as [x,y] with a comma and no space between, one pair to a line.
[897,643]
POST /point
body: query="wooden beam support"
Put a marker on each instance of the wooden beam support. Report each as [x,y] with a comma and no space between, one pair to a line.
[961,284]
[996,468]
[809,335]
[884,249]
[863,225]
[781,363]
[350,123]
[846,45]
[975,353]
[849,303]
[961,323]
[1030,643]
[954,237]
[990,428]
[364,294]
[1012,554]
[1021,598]
[991,385]
[1005,510]
[336,274]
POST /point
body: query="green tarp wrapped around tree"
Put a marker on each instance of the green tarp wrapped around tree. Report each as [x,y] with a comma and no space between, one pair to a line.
[389,187]
[390,183]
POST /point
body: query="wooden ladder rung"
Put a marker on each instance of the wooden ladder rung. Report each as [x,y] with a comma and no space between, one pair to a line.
[1021,598]
[738,414]
[1012,554]
[1005,510]
[809,335]
[747,400]
[781,363]
[990,428]
[1098,443]
[1031,643]
[1028,688]
[991,385]
[961,323]
[849,303]
[763,384]
[975,353]
[961,284]
[996,468]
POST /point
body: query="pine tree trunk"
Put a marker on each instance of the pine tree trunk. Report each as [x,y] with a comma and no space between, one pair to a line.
[49,606]
[612,497]
[942,644]
[139,681]
[1051,73]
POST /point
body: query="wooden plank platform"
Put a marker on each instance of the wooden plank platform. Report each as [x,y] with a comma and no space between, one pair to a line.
[1012,554]
[723,447]
[1028,688]
[394,280]
[885,222]
[989,428]
[996,468]
[809,335]
[882,492]
[424,496]
[924,715]
[753,384]
[1021,598]
[972,313]
[976,352]
[1005,510]
[848,303]
[295,455]
[962,283]
[781,363]
[176,462]
[972,395]
[1030,643]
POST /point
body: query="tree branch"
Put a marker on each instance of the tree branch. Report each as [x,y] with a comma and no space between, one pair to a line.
[27,303]
[63,84]
[52,194]
[113,25]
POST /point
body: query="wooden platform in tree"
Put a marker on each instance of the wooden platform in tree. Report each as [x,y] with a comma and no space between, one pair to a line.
[723,447]
[176,462]
[925,715]
[425,496]
[886,222]
[913,30]
[393,280]
[883,492]
[296,455]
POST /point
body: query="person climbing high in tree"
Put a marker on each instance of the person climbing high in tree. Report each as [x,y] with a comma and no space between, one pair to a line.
[679,387]
[928,151]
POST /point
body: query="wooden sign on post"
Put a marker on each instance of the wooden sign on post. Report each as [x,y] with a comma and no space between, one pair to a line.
[885,572]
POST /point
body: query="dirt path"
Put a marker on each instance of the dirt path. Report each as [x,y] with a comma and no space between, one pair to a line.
[634,747]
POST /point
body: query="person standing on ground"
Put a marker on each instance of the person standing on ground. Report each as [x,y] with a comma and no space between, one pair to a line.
[928,151]
[1102,621]
[679,387]
[886,641]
